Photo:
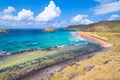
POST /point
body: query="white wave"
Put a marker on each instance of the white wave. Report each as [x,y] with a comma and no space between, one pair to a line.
[61,46]
[3,53]
[75,37]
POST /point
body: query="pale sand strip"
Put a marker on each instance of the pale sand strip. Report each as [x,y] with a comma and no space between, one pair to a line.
[95,38]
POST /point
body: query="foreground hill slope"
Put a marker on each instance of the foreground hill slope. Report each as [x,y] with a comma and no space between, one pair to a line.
[103,66]
[104,26]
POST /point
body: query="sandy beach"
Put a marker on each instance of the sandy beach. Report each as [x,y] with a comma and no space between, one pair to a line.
[102,41]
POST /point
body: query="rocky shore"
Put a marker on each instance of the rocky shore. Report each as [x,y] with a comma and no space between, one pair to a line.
[47,72]
[63,56]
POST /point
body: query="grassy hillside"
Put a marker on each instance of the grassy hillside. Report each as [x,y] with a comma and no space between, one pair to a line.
[104,26]
[104,66]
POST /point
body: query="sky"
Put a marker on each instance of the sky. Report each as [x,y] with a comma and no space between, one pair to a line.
[56,13]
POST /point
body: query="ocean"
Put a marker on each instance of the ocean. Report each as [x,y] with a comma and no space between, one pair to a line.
[26,39]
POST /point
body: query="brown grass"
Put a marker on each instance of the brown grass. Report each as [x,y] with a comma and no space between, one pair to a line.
[106,64]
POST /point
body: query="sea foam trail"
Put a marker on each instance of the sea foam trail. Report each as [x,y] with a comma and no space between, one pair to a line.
[4,53]
[76,37]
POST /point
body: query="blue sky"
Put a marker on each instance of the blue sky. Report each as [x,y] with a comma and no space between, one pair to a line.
[56,13]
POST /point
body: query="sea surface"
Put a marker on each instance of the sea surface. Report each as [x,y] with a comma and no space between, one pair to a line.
[27,39]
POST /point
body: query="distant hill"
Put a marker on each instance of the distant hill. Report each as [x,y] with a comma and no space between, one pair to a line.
[111,26]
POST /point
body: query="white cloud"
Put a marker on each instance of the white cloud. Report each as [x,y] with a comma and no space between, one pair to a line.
[9,10]
[60,23]
[25,15]
[80,19]
[6,14]
[105,1]
[107,7]
[8,17]
[50,12]
[86,21]
[114,16]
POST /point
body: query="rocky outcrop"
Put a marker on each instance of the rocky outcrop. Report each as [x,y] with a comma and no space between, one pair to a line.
[48,29]
[4,30]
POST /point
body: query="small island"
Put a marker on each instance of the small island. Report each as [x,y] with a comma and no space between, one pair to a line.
[4,30]
[49,29]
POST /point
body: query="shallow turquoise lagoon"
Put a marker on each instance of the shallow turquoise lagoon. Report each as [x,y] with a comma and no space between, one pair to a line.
[26,39]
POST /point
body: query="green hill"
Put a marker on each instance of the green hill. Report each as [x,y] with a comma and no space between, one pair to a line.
[109,26]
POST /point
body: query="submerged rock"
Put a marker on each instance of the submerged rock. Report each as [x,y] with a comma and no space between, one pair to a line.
[48,29]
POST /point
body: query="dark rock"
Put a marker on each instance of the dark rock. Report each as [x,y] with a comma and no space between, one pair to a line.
[119,70]
[106,61]
[88,68]
[55,47]
[51,74]
[71,64]
[78,65]
[73,76]
[42,79]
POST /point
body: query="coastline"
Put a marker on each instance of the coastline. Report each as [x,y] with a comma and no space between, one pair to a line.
[92,37]
[47,72]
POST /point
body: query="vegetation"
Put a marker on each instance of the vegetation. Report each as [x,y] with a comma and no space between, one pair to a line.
[104,26]
[13,66]
[103,66]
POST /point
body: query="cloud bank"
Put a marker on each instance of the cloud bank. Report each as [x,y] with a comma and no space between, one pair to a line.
[114,17]
[50,12]
[81,19]
[107,6]
[26,17]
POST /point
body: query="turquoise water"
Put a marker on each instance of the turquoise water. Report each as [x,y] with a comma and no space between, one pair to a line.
[19,40]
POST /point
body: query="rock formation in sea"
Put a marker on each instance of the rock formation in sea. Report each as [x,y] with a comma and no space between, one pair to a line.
[49,29]
[4,30]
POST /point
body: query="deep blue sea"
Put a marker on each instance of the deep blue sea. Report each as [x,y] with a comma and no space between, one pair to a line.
[26,39]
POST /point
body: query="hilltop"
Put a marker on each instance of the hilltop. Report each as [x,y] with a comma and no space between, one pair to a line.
[103,26]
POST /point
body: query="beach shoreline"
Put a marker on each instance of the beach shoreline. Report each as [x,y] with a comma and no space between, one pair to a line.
[47,72]
[93,37]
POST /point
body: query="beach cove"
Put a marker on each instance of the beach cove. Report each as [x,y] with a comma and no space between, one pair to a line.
[38,60]
[22,40]
[48,72]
